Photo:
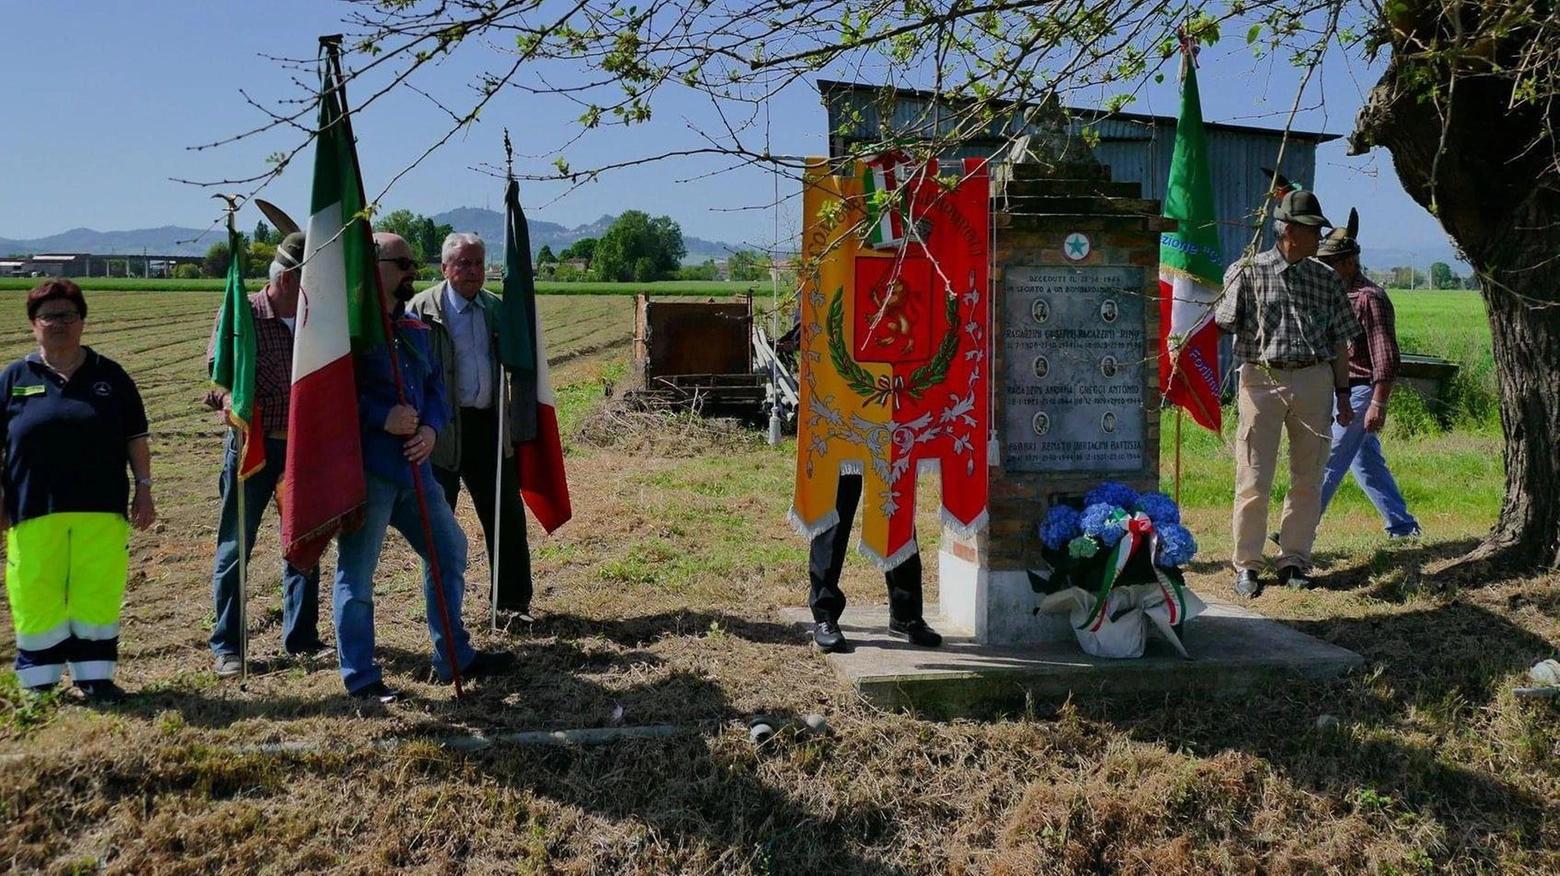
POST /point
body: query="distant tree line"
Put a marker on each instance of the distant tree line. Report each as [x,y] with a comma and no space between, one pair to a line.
[635,249]
[1440,276]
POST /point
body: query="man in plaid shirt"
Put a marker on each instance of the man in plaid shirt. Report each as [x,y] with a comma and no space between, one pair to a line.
[1373,368]
[274,309]
[1292,324]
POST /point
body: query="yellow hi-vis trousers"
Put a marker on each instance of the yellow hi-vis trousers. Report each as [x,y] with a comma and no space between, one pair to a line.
[65,579]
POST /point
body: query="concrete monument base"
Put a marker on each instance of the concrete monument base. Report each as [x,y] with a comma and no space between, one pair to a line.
[1232,650]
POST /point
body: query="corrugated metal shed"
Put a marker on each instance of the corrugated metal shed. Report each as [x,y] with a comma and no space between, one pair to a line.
[1136,147]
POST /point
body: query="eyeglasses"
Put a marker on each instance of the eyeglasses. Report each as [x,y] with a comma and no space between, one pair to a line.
[65,317]
[465,264]
[402,262]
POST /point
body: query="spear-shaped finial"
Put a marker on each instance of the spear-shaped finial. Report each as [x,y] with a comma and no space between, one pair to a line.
[509,157]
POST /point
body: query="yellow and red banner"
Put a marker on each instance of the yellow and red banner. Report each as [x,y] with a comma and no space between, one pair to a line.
[895,346]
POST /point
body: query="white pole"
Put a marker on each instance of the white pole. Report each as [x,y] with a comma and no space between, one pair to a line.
[243,560]
[498,493]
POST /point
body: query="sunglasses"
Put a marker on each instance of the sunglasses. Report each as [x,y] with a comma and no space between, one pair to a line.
[402,262]
[68,317]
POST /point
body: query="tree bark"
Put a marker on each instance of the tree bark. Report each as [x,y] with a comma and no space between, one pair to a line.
[1488,173]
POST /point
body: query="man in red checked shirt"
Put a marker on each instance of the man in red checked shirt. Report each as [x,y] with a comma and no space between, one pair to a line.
[1373,368]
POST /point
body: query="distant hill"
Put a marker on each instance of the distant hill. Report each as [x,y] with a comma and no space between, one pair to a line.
[167,240]
[489,225]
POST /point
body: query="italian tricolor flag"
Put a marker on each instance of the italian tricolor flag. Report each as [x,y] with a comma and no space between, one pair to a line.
[1190,270]
[233,363]
[882,177]
[337,310]
[523,351]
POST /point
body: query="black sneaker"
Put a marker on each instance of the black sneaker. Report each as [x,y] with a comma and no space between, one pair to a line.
[1273,537]
[1248,584]
[508,616]
[829,639]
[487,663]
[315,653]
[916,632]
[377,691]
[227,665]
[102,692]
[1294,578]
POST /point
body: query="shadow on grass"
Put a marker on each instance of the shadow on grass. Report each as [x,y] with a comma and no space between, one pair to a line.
[638,631]
[1345,572]
[1434,675]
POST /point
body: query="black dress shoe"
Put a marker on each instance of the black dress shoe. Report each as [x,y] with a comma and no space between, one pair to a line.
[1294,578]
[488,663]
[829,639]
[102,692]
[916,632]
[377,691]
[1247,584]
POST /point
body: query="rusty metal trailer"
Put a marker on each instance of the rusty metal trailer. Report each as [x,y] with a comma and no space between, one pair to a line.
[708,357]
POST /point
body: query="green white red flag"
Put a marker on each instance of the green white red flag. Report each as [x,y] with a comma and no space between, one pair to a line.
[523,352]
[1191,270]
[233,363]
[337,311]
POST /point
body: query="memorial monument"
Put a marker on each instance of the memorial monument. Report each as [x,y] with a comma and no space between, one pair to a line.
[1075,326]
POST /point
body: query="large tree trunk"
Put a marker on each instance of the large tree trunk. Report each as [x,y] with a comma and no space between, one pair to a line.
[1489,173]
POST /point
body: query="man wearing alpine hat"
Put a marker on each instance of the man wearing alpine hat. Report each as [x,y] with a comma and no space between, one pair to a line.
[1292,324]
[1373,366]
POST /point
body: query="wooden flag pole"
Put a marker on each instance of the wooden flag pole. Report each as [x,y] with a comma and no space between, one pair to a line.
[1178,413]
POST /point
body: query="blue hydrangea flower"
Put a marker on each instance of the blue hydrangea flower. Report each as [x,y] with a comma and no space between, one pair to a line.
[1112,493]
[1059,527]
[1096,522]
[1082,547]
[1176,545]
[1160,508]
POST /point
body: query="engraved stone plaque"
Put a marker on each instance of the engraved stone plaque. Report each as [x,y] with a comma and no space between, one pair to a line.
[1073,382]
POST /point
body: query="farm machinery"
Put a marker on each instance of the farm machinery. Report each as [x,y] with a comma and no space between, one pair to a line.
[714,359]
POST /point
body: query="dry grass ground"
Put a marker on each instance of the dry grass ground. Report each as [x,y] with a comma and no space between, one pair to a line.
[660,598]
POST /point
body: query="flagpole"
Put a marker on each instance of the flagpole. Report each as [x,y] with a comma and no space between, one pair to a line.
[244,542]
[1178,414]
[498,500]
[332,45]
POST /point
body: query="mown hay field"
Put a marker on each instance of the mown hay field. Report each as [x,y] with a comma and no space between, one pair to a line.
[660,600]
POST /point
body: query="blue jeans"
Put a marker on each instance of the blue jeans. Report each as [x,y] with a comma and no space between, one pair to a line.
[1359,451]
[300,590]
[357,556]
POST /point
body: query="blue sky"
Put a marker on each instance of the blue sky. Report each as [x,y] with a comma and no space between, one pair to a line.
[108,97]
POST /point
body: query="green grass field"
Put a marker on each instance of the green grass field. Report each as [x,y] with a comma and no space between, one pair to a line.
[659,604]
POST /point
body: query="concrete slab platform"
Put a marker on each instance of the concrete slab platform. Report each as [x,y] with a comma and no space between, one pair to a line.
[1232,650]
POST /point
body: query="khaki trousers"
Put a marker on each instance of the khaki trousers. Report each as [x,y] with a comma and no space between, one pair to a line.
[1298,401]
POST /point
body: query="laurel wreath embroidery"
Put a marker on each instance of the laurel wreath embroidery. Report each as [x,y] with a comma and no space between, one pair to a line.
[880,390]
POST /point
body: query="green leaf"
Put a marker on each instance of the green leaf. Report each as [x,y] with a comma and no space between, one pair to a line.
[1251,35]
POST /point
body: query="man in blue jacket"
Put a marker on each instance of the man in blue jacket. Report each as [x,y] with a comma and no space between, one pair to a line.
[396,437]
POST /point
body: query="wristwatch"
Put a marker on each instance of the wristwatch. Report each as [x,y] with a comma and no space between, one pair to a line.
[143,482]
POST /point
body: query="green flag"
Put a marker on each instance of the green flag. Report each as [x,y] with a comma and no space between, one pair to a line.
[517,315]
[1191,269]
[340,240]
[233,361]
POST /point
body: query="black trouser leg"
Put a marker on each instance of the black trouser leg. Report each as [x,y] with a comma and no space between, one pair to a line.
[826,554]
[449,481]
[904,589]
[826,558]
[479,447]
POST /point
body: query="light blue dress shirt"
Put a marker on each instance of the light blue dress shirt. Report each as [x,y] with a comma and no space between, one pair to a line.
[468,328]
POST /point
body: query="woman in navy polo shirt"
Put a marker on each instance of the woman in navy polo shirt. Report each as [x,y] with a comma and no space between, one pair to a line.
[72,422]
